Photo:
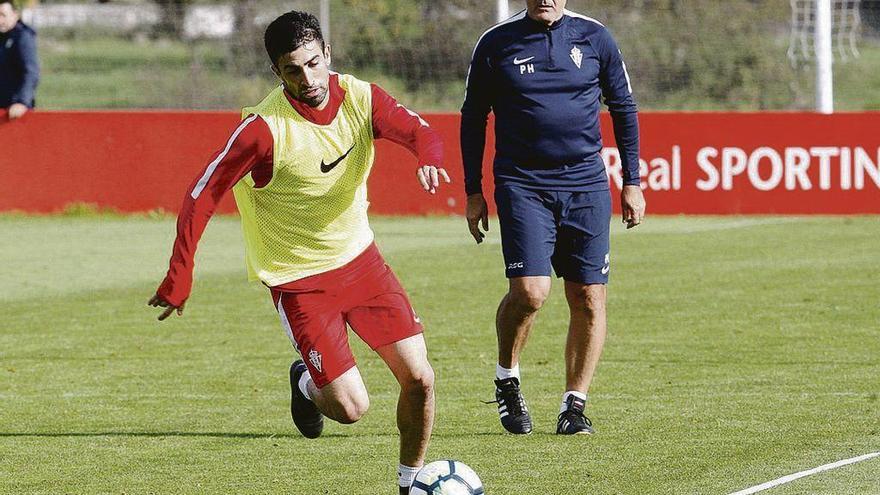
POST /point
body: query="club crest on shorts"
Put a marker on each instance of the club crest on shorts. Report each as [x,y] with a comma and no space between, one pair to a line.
[577,56]
[315,359]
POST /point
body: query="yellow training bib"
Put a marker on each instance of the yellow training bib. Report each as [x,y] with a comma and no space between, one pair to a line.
[312,216]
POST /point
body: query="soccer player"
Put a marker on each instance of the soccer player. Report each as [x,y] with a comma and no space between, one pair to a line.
[19,67]
[298,166]
[542,72]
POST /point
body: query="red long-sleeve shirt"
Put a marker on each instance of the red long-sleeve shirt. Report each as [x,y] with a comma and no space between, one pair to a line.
[250,150]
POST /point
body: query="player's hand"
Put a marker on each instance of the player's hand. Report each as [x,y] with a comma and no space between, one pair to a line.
[477,211]
[429,177]
[632,205]
[17,111]
[158,301]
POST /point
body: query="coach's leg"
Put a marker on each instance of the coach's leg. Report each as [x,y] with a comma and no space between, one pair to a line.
[345,399]
[516,314]
[586,333]
[408,361]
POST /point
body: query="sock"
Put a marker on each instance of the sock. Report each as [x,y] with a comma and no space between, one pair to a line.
[406,475]
[303,384]
[565,396]
[501,372]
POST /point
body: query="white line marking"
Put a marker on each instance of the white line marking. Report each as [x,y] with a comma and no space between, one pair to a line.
[803,474]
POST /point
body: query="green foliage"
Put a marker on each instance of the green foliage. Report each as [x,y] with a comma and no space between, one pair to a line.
[80,209]
[681,54]
[696,54]
[423,43]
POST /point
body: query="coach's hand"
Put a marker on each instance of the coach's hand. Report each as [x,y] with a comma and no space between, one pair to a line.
[429,177]
[158,302]
[17,111]
[632,204]
[477,211]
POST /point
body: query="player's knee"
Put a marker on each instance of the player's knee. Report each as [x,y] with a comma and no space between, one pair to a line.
[353,408]
[589,299]
[419,383]
[529,299]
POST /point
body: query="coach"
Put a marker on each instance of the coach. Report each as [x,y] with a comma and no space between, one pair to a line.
[19,68]
[542,72]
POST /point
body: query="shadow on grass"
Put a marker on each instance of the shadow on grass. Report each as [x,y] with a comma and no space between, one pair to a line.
[216,434]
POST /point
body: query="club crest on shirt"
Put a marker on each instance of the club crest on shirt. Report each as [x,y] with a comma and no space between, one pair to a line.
[9,43]
[576,56]
[315,358]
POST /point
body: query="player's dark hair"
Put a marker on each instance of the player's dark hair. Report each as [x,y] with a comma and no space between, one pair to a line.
[291,31]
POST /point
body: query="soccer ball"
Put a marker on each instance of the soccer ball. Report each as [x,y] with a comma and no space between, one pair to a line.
[446,477]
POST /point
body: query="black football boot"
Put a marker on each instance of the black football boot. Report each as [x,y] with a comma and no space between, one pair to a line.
[572,421]
[512,409]
[306,416]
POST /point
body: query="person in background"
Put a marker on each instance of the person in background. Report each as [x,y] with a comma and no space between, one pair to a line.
[19,67]
[544,73]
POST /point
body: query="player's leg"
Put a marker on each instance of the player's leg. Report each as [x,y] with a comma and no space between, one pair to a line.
[583,348]
[379,311]
[516,315]
[344,400]
[326,382]
[528,231]
[582,259]
[586,333]
[408,361]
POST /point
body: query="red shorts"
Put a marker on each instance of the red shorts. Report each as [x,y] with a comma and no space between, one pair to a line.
[364,293]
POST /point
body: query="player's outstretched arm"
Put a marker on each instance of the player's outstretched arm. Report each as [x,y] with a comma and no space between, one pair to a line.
[400,125]
[248,150]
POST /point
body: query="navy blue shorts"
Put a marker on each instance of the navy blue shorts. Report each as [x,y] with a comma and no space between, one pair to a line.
[568,231]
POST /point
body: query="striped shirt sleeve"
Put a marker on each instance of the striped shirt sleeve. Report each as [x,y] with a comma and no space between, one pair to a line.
[249,149]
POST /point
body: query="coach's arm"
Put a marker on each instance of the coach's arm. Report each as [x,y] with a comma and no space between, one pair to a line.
[474,115]
[617,92]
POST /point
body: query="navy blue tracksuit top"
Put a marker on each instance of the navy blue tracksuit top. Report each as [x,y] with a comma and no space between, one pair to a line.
[19,67]
[544,85]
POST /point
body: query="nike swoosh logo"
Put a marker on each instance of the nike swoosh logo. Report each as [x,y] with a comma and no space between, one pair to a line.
[606,269]
[329,166]
[518,61]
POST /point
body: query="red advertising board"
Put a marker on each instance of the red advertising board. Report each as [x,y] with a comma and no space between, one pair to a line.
[706,163]
[758,162]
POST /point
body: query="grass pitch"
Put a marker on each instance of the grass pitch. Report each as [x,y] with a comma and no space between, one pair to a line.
[741,349]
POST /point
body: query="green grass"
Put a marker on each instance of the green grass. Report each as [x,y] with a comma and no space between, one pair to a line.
[741,349]
[857,82]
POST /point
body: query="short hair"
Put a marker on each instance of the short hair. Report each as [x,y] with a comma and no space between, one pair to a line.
[12,3]
[291,31]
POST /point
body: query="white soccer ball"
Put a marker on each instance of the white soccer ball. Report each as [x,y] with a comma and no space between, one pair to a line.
[446,477]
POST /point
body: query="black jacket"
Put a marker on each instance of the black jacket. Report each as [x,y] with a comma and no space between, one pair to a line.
[19,67]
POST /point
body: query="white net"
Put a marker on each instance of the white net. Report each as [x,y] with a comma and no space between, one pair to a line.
[846,25]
